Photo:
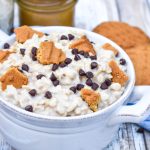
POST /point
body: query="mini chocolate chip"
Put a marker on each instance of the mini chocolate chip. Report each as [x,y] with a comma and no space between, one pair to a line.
[56,82]
[92,42]
[81,53]
[73,88]
[46,34]
[94,65]
[34,58]
[122,61]
[86,54]
[75,51]
[25,67]
[104,86]
[95,86]
[34,51]
[48,95]
[68,61]
[33,92]
[22,51]
[62,65]
[93,57]
[63,37]
[29,108]
[77,57]
[55,67]
[79,86]
[53,77]
[71,37]
[81,72]
[108,82]
[89,74]
[6,46]
[39,76]
[89,82]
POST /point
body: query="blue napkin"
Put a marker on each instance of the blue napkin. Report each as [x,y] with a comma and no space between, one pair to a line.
[146,123]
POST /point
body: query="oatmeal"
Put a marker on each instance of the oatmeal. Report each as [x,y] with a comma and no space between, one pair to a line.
[60,74]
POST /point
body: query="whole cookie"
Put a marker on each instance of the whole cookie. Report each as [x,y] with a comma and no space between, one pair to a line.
[124,35]
[140,56]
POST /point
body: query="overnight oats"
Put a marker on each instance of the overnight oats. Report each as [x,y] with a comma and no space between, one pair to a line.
[60,74]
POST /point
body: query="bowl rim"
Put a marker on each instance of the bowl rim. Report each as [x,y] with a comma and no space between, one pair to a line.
[127,92]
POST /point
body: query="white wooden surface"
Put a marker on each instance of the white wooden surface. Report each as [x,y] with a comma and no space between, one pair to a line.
[89,13]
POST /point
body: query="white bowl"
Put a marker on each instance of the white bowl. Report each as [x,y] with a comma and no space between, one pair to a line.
[29,131]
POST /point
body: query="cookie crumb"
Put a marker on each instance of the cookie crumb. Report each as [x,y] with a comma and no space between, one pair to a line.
[83,44]
[24,33]
[13,77]
[4,55]
[49,54]
[108,46]
[118,75]
[92,98]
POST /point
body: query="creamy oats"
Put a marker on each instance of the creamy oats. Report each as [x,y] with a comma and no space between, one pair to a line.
[55,89]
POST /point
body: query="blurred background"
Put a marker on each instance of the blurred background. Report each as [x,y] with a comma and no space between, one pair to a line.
[80,13]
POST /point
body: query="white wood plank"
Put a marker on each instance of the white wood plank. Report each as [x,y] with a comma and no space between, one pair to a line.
[147,139]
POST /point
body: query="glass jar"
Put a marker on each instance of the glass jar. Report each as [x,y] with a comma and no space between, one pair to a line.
[46,12]
[6,15]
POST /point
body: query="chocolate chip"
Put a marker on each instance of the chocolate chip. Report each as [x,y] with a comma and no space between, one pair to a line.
[108,82]
[73,88]
[81,53]
[55,67]
[95,86]
[94,65]
[93,57]
[89,82]
[75,51]
[92,42]
[68,61]
[79,86]
[33,92]
[40,76]
[22,51]
[86,54]
[122,61]
[62,65]
[34,51]
[63,37]
[29,108]
[25,67]
[77,57]
[56,82]
[104,86]
[81,72]
[6,46]
[53,77]
[89,74]
[48,95]
[34,58]
[71,37]
[46,34]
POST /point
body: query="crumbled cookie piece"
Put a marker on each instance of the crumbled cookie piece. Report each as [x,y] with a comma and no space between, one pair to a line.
[108,46]
[117,74]
[4,55]
[83,44]
[49,54]
[92,98]
[24,33]
[13,77]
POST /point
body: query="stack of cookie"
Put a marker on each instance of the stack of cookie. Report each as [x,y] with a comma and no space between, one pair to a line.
[136,44]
